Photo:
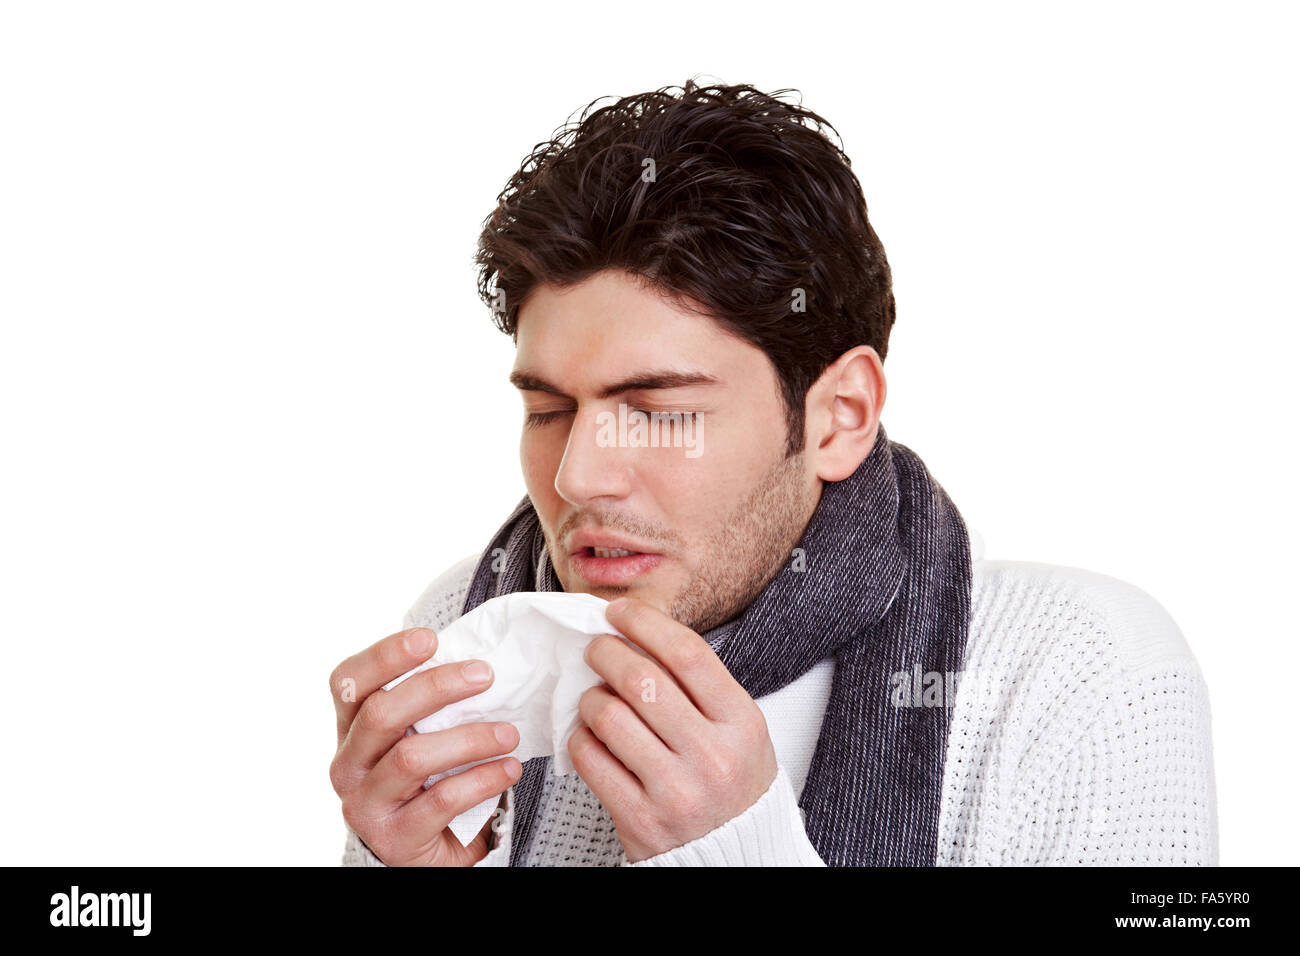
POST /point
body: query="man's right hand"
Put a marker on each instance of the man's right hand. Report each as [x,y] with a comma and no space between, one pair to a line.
[379,773]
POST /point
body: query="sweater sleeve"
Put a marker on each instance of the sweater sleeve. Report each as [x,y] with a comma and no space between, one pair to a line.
[770,833]
[356,853]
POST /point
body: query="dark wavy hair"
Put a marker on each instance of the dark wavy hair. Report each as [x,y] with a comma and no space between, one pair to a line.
[720,195]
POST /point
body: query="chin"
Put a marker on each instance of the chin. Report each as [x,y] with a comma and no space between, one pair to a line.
[641,591]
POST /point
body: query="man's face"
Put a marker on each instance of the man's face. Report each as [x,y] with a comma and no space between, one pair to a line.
[709,520]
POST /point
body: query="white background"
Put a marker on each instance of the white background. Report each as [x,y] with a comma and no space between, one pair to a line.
[252,404]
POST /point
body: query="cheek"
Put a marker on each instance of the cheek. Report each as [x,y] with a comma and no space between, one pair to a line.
[701,497]
[538,462]
[694,497]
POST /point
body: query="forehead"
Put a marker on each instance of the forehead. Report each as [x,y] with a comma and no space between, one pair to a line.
[612,325]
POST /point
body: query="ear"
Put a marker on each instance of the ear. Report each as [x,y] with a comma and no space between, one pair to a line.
[843,413]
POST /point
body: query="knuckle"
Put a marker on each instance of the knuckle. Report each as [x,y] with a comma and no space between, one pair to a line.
[723,766]
[439,685]
[449,682]
[689,655]
[442,796]
[486,739]
[340,776]
[393,658]
[376,713]
[408,756]
[504,778]
[597,646]
[337,677]
[758,725]
[579,745]
[635,616]
[632,682]
[589,703]
[417,634]
[607,717]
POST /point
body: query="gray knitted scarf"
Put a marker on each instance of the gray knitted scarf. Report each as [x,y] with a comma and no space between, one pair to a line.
[881,582]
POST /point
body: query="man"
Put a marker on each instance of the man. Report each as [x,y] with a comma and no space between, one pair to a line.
[799,589]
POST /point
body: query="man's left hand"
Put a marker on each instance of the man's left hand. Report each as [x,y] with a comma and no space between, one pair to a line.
[671,745]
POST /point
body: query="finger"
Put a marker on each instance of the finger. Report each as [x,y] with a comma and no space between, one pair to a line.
[685,655]
[385,714]
[429,814]
[615,786]
[654,697]
[625,735]
[401,773]
[362,674]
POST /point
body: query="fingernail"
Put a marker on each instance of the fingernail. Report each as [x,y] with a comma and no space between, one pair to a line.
[419,641]
[477,672]
[505,734]
[513,768]
[616,606]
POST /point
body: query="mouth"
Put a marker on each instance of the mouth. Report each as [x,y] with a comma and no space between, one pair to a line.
[612,566]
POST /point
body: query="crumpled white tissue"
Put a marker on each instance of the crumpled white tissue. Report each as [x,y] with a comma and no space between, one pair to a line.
[535,643]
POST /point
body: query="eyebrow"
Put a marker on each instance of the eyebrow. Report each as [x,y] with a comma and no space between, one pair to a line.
[527,381]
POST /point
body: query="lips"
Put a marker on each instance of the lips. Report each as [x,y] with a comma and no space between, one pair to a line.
[606,560]
[586,540]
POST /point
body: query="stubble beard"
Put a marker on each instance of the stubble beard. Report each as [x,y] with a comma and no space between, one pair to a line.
[747,550]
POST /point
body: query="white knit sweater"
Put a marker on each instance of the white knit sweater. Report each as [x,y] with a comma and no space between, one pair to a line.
[1080,735]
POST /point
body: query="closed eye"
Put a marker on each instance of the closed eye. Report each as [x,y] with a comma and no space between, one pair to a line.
[537,419]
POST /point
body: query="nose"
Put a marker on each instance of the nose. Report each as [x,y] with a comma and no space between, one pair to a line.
[593,467]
